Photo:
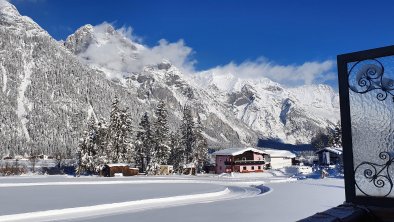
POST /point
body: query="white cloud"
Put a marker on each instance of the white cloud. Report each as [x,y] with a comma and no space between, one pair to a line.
[122,52]
[125,53]
[291,75]
[177,53]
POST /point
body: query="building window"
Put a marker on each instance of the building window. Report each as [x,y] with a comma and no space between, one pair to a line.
[252,167]
[259,167]
[220,168]
[244,168]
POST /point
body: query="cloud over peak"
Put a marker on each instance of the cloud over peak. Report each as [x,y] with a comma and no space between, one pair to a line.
[125,53]
[120,52]
[290,75]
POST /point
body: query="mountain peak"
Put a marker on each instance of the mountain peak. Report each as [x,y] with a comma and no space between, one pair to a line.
[8,9]
[10,18]
[108,28]
[80,40]
[96,36]
[164,65]
[85,28]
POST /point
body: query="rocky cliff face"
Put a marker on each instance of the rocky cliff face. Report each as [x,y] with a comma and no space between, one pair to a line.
[290,115]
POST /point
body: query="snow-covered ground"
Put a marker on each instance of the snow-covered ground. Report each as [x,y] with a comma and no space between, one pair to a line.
[248,197]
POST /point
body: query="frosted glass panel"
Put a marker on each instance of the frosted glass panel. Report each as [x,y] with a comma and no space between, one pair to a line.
[371,112]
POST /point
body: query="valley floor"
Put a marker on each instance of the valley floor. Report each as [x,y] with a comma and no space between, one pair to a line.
[252,197]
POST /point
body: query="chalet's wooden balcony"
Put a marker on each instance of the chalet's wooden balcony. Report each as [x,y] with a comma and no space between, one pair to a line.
[244,162]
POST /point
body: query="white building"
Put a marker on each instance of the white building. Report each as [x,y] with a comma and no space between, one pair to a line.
[280,158]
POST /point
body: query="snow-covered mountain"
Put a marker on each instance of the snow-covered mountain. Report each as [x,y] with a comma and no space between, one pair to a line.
[156,79]
[48,94]
[50,89]
[292,115]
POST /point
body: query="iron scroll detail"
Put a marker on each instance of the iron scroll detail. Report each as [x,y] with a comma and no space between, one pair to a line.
[376,174]
[368,75]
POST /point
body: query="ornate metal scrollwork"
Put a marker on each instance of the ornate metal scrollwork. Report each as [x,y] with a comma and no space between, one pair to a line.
[375,176]
[368,75]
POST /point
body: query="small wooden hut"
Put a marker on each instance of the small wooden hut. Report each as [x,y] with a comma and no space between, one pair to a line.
[189,169]
[109,170]
[166,170]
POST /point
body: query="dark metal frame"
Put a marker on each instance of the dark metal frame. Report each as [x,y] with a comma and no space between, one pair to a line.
[350,183]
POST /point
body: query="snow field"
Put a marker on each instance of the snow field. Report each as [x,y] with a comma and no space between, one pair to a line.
[113,208]
[230,199]
[227,193]
[285,202]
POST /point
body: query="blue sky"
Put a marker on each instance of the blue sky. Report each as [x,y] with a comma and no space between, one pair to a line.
[285,33]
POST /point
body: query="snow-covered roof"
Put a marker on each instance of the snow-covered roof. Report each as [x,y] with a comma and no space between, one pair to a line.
[117,164]
[336,150]
[280,153]
[236,151]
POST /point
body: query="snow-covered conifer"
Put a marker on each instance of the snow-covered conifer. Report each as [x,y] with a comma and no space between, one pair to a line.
[177,153]
[87,151]
[337,135]
[188,137]
[200,152]
[114,132]
[144,144]
[161,137]
[125,138]
[102,142]
[119,133]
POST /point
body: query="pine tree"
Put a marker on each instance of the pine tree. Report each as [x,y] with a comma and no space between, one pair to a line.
[336,136]
[102,142]
[322,139]
[161,137]
[125,144]
[114,132]
[119,134]
[138,154]
[177,153]
[200,152]
[188,137]
[87,151]
[144,144]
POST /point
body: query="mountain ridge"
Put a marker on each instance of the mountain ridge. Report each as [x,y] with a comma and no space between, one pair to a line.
[49,90]
[315,106]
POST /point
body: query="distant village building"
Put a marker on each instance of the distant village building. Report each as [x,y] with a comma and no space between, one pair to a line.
[280,158]
[242,160]
[109,170]
[189,169]
[330,156]
[166,169]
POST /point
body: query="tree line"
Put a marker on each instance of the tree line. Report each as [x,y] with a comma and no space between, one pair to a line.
[329,138]
[148,145]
